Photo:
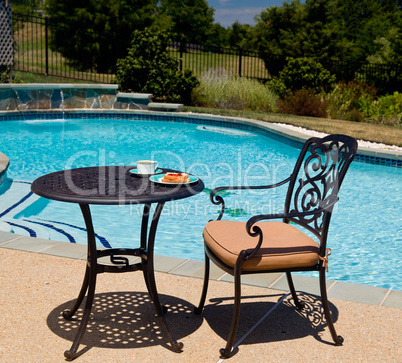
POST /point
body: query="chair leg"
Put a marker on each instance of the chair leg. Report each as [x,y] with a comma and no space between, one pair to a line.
[225,352]
[336,338]
[296,300]
[198,309]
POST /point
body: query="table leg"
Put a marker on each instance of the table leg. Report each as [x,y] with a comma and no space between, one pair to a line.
[150,279]
[144,231]
[69,313]
[91,272]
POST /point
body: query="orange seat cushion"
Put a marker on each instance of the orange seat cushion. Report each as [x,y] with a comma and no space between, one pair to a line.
[283,246]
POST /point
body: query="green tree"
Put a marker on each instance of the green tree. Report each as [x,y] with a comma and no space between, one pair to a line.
[293,30]
[388,47]
[25,6]
[325,29]
[94,33]
[191,20]
[149,68]
[238,35]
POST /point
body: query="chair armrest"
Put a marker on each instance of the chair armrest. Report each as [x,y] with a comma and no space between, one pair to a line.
[217,199]
[255,231]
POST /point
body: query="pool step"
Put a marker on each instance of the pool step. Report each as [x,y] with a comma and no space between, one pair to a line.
[14,200]
[59,231]
[132,101]
[25,228]
[16,197]
[143,101]
[172,107]
[5,227]
[19,208]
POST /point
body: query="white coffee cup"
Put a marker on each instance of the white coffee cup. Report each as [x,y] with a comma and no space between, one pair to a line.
[146,166]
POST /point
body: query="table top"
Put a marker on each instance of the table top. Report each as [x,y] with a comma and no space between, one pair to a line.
[110,185]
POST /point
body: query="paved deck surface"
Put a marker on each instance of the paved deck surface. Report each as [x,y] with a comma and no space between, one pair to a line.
[37,286]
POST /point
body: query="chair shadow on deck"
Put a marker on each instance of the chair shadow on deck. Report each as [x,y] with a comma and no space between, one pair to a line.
[285,322]
[125,320]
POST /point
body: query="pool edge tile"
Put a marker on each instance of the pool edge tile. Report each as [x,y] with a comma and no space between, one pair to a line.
[357,293]
[167,263]
[393,300]
[29,244]
[307,284]
[195,268]
[66,249]
[6,237]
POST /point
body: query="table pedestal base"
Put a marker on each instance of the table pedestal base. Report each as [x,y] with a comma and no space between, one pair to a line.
[120,264]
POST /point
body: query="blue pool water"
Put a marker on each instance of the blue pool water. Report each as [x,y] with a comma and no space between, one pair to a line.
[365,234]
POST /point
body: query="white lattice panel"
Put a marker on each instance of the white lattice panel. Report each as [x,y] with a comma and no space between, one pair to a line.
[6,33]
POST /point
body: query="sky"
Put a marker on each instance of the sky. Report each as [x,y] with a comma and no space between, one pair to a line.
[228,11]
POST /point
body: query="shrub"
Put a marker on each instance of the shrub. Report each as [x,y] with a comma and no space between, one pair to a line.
[304,73]
[388,109]
[304,102]
[354,115]
[4,74]
[350,96]
[222,90]
[149,68]
[277,86]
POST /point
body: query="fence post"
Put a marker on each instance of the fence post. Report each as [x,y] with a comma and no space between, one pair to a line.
[47,46]
[181,46]
[240,54]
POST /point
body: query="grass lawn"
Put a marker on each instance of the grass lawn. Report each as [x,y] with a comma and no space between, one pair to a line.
[199,62]
[28,77]
[391,135]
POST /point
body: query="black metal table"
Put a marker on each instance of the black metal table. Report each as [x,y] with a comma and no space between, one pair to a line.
[114,185]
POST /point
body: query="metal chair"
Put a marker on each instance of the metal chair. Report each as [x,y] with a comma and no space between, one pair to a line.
[277,246]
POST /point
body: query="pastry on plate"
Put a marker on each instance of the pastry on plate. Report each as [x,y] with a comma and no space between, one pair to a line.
[176,178]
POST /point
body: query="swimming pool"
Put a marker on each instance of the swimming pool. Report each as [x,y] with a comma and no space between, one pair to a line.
[365,232]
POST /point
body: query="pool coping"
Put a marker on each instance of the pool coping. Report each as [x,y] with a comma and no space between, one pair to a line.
[4,163]
[194,269]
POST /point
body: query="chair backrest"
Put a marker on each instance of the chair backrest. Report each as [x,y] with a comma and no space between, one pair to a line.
[316,179]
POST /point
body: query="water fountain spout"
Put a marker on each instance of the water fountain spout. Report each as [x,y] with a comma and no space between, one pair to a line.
[62,103]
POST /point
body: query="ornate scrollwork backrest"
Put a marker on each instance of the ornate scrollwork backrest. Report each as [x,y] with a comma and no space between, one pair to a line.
[316,180]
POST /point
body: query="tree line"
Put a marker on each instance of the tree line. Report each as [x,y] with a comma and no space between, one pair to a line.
[95,33]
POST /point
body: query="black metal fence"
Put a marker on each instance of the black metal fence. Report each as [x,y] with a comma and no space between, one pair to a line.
[201,58]
[386,78]
[33,54]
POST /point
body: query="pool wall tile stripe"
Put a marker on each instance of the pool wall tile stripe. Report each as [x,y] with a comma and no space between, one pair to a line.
[262,128]
[31,232]
[103,240]
[68,235]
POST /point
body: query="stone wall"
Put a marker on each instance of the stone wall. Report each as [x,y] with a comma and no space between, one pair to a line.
[26,97]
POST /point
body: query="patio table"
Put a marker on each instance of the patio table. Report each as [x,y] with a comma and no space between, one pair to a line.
[114,185]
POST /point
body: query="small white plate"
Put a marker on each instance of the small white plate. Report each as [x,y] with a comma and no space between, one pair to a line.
[136,173]
[158,179]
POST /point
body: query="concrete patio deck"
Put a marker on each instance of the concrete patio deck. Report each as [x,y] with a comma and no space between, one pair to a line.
[40,278]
